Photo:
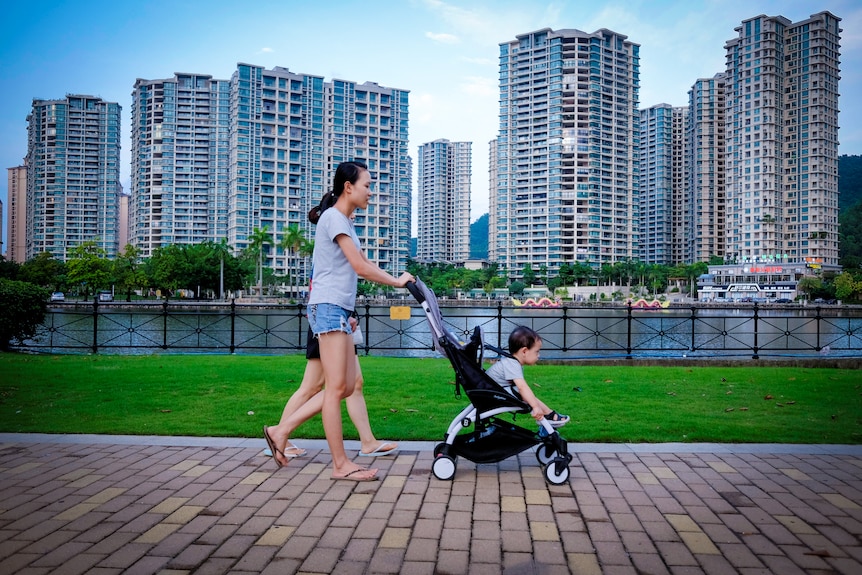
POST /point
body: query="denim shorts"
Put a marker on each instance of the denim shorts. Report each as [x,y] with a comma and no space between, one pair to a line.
[327,317]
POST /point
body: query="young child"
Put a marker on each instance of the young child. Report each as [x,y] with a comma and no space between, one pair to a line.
[524,346]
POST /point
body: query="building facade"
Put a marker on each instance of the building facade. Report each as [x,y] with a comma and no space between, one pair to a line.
[257,152]
[16,214]
[73,175]
[782,140]
[567,151]
[179,177]
[705,211]
[443,214]
[662,178]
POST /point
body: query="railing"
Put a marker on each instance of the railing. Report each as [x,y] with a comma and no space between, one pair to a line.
[568,332]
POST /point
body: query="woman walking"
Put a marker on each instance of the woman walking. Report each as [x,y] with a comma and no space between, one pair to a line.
[338,261]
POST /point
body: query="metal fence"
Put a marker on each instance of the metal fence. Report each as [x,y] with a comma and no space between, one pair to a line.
[401,329]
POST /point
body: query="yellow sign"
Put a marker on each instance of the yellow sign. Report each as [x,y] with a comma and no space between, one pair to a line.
[399,312]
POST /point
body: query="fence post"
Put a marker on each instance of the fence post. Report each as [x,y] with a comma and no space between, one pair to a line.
[366,337]
[500,326]
[565,325]
[300,333]
[817,318]
[755,356]
[96,324]
[165,324]
[693,327]
[232,324]
[629,329]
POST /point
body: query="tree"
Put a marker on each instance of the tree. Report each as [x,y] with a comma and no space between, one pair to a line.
[167,268]
[9,269]
[528,275]
[89,267]
[809,285]
[292,242]
[43,270]
[847,287]
[24,307]
[517,287]
[258,238]
[128,272]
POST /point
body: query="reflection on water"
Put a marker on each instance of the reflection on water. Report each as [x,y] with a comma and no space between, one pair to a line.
[568,333]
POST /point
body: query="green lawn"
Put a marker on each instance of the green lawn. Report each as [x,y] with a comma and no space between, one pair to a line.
[413,399]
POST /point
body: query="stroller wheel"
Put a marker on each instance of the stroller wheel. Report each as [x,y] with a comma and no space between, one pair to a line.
[444,467]
[545,454]
[554,478]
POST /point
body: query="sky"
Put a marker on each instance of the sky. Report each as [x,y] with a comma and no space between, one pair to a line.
[445,52]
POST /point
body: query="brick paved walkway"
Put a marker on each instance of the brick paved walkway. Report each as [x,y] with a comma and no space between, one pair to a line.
[91,504]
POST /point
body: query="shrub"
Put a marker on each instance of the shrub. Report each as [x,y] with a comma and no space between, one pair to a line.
[24,307]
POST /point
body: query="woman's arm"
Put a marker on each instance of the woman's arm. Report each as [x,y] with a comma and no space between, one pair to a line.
[367,269]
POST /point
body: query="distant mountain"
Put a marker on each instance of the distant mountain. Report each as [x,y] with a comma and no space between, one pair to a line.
[479,239]
[849,181]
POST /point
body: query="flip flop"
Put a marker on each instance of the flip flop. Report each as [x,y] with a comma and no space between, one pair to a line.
[350,476]
[380,450]
[294,450]
[272,448]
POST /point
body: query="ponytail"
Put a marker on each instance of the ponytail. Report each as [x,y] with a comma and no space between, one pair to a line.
[346,172]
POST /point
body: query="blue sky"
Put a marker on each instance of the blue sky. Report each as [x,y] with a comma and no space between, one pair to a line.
[444,52]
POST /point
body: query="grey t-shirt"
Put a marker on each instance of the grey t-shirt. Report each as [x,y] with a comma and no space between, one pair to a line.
[334,278]
[505,371]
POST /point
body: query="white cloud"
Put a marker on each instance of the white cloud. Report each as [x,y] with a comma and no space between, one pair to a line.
[266,51]
[442,37]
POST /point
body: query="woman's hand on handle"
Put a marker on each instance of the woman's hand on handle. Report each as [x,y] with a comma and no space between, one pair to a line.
[405,278]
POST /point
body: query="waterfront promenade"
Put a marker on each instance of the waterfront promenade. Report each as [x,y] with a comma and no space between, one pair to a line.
[119,504]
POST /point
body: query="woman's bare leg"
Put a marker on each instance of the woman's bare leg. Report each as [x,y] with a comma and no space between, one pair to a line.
[358,412]
[339,367]
[312,383]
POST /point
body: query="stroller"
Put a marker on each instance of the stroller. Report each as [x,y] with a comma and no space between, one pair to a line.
[493,439]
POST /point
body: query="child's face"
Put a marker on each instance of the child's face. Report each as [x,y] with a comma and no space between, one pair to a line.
[530,355]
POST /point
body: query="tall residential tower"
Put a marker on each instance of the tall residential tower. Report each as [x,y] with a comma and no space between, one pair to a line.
[16,214]
[782,140]
[179,178]
[566,180]
[706,183]
[73,175]
[663,193]
[444,202]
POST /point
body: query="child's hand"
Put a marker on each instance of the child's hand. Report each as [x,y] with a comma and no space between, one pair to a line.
[537,414]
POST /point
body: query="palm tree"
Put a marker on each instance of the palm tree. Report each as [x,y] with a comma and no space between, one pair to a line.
[256,240]
[292,241]
[307,250]
[222,250]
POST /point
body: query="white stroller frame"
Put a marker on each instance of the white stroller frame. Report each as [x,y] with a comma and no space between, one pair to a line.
[493,439]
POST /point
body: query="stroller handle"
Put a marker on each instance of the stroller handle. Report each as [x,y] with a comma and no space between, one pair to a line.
[414,289]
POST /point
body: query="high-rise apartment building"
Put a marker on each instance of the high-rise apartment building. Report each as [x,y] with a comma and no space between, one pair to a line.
[73,175]
[16,214]
[782,140]
[443,215]
[663,195]
[258,151]
[566,182]
[180,153]
[706,182]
